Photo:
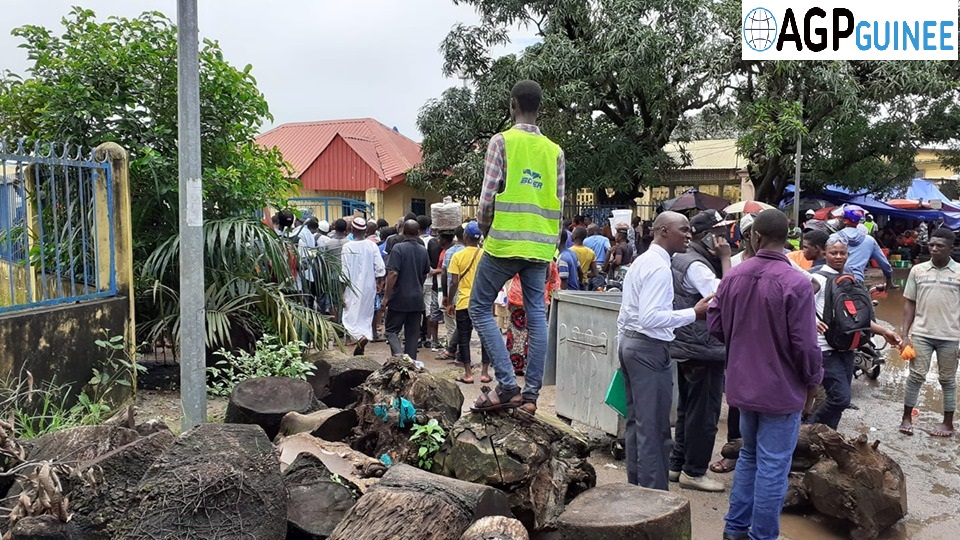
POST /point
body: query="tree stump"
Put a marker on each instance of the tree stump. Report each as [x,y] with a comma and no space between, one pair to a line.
[327,424]
[104,489]
[215,481]
[540,462]
[413,504]
[433,397]
[809,450]
[318,498]
[338,375]
[496,528]
[340,459]
[263,401]
[858,484]
[796,499]
[621,511]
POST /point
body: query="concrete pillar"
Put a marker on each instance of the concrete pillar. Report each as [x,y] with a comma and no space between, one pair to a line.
[118,159]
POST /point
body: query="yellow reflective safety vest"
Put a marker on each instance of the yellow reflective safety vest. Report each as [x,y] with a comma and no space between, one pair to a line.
[526,219]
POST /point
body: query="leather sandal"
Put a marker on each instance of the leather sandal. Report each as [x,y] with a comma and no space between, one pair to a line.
[496,400]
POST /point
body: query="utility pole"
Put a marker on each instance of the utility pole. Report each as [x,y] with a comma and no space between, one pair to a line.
[193,380]
[796,187]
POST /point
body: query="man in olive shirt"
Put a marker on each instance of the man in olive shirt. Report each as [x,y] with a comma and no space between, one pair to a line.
[931,324]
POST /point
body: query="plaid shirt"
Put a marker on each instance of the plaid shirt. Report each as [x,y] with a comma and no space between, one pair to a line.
[495,174]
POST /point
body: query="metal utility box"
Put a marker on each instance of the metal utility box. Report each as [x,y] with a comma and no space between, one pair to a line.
[582,356]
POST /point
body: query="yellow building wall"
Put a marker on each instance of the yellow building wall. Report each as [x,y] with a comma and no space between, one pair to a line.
[928,165]
[396,201]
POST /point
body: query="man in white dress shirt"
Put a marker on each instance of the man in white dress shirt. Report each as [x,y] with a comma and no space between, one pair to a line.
[645,327]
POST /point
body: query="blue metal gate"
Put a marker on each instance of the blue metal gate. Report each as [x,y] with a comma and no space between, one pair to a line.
[330,208]
[56,226]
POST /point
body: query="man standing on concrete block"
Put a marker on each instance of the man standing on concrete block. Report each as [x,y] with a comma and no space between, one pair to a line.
[645,329]
[765,313]
[520,208]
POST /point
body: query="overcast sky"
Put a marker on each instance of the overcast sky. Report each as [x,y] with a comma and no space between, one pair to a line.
[313,59]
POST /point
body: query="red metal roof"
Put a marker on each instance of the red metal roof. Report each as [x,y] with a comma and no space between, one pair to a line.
[387,154]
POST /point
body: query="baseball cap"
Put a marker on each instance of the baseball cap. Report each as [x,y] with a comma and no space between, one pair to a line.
[746,222]
[324,226]
[706,220]
[472,230]
[360,224]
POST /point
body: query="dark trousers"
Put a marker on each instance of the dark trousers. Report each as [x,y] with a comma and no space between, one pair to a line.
[700,385]
[410,322]
[648,377]
[837,377]
[464,333]
[733,424]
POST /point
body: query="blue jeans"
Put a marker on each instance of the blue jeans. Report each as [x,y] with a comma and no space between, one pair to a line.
[491,274]
[760,479]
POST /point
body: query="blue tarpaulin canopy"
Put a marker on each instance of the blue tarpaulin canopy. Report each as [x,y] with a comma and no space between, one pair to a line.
[838,195]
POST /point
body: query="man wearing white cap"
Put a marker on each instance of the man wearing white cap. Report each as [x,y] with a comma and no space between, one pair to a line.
[363,268]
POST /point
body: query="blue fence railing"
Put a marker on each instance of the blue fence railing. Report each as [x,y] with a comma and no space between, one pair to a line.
[329,208]
[56,226]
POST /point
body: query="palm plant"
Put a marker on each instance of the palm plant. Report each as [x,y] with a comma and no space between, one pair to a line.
[249,281]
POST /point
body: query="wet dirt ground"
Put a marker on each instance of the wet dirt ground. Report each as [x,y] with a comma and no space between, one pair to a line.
[931,465]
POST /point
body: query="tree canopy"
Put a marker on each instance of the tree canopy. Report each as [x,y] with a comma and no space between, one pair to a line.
[116,80]
[623,78]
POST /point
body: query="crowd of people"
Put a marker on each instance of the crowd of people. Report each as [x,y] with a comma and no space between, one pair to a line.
[754,309]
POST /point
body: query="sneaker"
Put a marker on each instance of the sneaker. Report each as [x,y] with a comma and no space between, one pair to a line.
[426,344]
[701,483]
[674,476]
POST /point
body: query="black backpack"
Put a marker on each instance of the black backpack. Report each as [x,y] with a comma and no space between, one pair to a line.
[847,312]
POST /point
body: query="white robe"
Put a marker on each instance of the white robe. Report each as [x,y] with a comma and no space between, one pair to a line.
[362,265]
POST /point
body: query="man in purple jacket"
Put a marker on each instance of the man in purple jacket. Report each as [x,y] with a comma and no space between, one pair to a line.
[765,313]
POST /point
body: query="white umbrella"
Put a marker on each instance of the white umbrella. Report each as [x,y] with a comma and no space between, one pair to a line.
[747,207]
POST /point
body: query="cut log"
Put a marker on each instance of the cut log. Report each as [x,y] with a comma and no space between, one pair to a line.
[413,504]
[74,446]
[318,498]
[431,396]
[79,444]
[809,450]
[620,511]
[215,481]
[263,401]
[338,375]
[327,424]
[44,527]
[496,528]
[361,470]
[104,489]
[858,484]
[538,460]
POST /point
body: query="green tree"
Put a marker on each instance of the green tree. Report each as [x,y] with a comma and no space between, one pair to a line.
[860,122]
[619,78]
[116,80]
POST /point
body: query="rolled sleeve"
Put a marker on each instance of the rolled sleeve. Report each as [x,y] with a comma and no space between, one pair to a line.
[494,173]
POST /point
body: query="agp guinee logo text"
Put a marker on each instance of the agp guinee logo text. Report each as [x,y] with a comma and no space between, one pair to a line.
[849,30]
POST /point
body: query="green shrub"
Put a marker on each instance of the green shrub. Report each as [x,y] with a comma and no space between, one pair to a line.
[270,359]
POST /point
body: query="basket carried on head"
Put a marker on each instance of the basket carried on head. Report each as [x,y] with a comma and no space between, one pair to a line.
[446,215]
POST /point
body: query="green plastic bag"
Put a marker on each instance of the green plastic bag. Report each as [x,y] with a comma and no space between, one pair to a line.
[617,395]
